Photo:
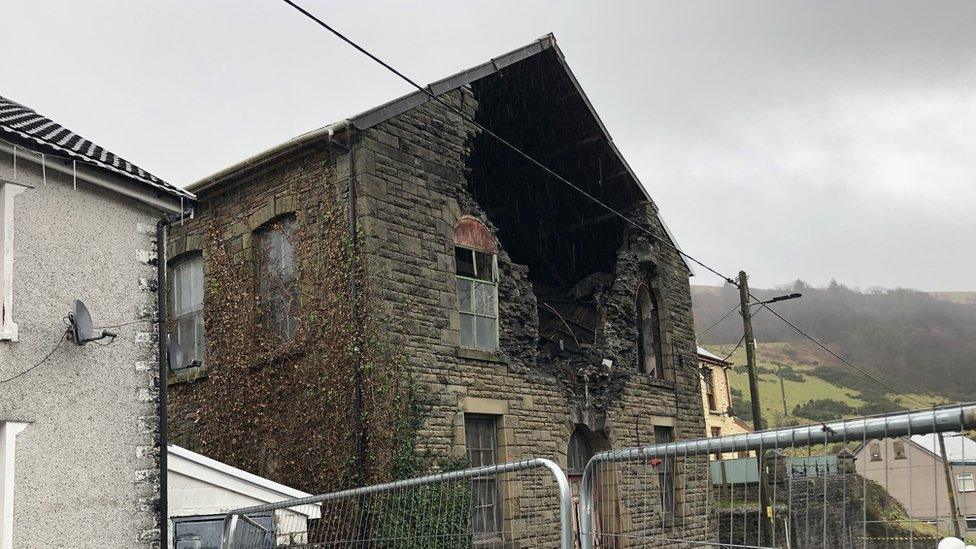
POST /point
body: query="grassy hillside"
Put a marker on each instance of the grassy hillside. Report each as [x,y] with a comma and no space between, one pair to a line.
[800,361]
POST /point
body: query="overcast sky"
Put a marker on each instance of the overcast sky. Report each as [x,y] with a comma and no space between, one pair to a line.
[811,140]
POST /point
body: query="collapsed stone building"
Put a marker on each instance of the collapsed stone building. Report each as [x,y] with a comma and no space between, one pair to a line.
[526,316]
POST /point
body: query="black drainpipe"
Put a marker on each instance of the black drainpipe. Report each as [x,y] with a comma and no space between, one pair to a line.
[161,322]
[354,296]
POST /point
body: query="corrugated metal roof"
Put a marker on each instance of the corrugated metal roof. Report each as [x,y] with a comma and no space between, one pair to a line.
[705,353]
[41,134]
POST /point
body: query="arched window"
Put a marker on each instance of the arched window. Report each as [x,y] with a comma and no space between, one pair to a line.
[476,267]
[649,333]
[277,277]
[578,454]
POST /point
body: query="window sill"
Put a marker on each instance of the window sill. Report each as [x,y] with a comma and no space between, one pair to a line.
[8,336]
[485,356]
[187,375]
[716,413]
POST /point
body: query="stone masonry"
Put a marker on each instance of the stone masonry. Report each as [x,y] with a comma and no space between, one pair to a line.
[412,181]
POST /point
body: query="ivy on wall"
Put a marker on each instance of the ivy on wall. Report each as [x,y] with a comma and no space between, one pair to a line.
[285,409]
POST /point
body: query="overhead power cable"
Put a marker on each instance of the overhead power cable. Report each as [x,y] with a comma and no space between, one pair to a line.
[552,173]
[842,359]
[39,362]
[719,321]
[504,141]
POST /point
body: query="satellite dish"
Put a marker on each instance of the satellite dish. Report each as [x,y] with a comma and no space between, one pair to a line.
[175,353]
[82,327]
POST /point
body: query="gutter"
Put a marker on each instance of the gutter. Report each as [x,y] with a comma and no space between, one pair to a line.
[266,156]
[86,173]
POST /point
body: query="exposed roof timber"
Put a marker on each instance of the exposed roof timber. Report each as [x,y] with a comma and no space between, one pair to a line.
[575,146]
[581,224]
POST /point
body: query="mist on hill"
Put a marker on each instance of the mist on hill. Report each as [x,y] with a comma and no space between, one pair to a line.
[914,340]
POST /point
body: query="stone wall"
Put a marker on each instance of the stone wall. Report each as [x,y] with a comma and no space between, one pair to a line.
[412,192]
[412,187]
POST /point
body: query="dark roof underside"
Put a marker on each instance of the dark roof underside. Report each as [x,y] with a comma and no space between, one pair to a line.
[562,235]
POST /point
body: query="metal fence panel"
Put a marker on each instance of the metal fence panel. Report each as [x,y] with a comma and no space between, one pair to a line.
[859,483]
[520,504]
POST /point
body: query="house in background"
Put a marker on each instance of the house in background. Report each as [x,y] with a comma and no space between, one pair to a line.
[716,395]
[203,490]
[532,322]
[911,470]
[79,422]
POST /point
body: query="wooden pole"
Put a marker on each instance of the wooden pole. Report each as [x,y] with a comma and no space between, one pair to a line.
[950,487]
[757,422]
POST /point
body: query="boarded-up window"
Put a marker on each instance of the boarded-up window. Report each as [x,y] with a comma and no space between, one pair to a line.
[277,278]
[875,449]
[899,447]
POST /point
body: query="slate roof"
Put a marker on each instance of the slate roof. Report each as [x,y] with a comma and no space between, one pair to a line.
[705,353]
[41,134]
[411,100]
[960,448]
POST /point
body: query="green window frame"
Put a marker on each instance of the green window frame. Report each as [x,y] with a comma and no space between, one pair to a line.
[477,289]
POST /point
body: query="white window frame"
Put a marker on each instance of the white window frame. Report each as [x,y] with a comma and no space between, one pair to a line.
[965,483]
[8,328]
[472,283]
[175,273]
[8,439]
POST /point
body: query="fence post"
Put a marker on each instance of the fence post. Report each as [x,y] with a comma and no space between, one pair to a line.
[230,528]
[565,503]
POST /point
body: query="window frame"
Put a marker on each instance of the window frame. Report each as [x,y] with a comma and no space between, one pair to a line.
[178,262]
[965,483]
[668,475]
[473,282]
[709,378]
[8,192]
[898,447]
[490,422]
[287,225]
[656,325]
[874,450]
[970,522]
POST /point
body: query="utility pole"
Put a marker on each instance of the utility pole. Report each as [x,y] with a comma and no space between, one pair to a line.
[757,423]
[950,488]
[782,388]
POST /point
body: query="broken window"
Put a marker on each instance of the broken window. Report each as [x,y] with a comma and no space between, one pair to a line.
[480,435]
[277,277]
[649,333]
[476,267]
[666,473]
[186,301]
